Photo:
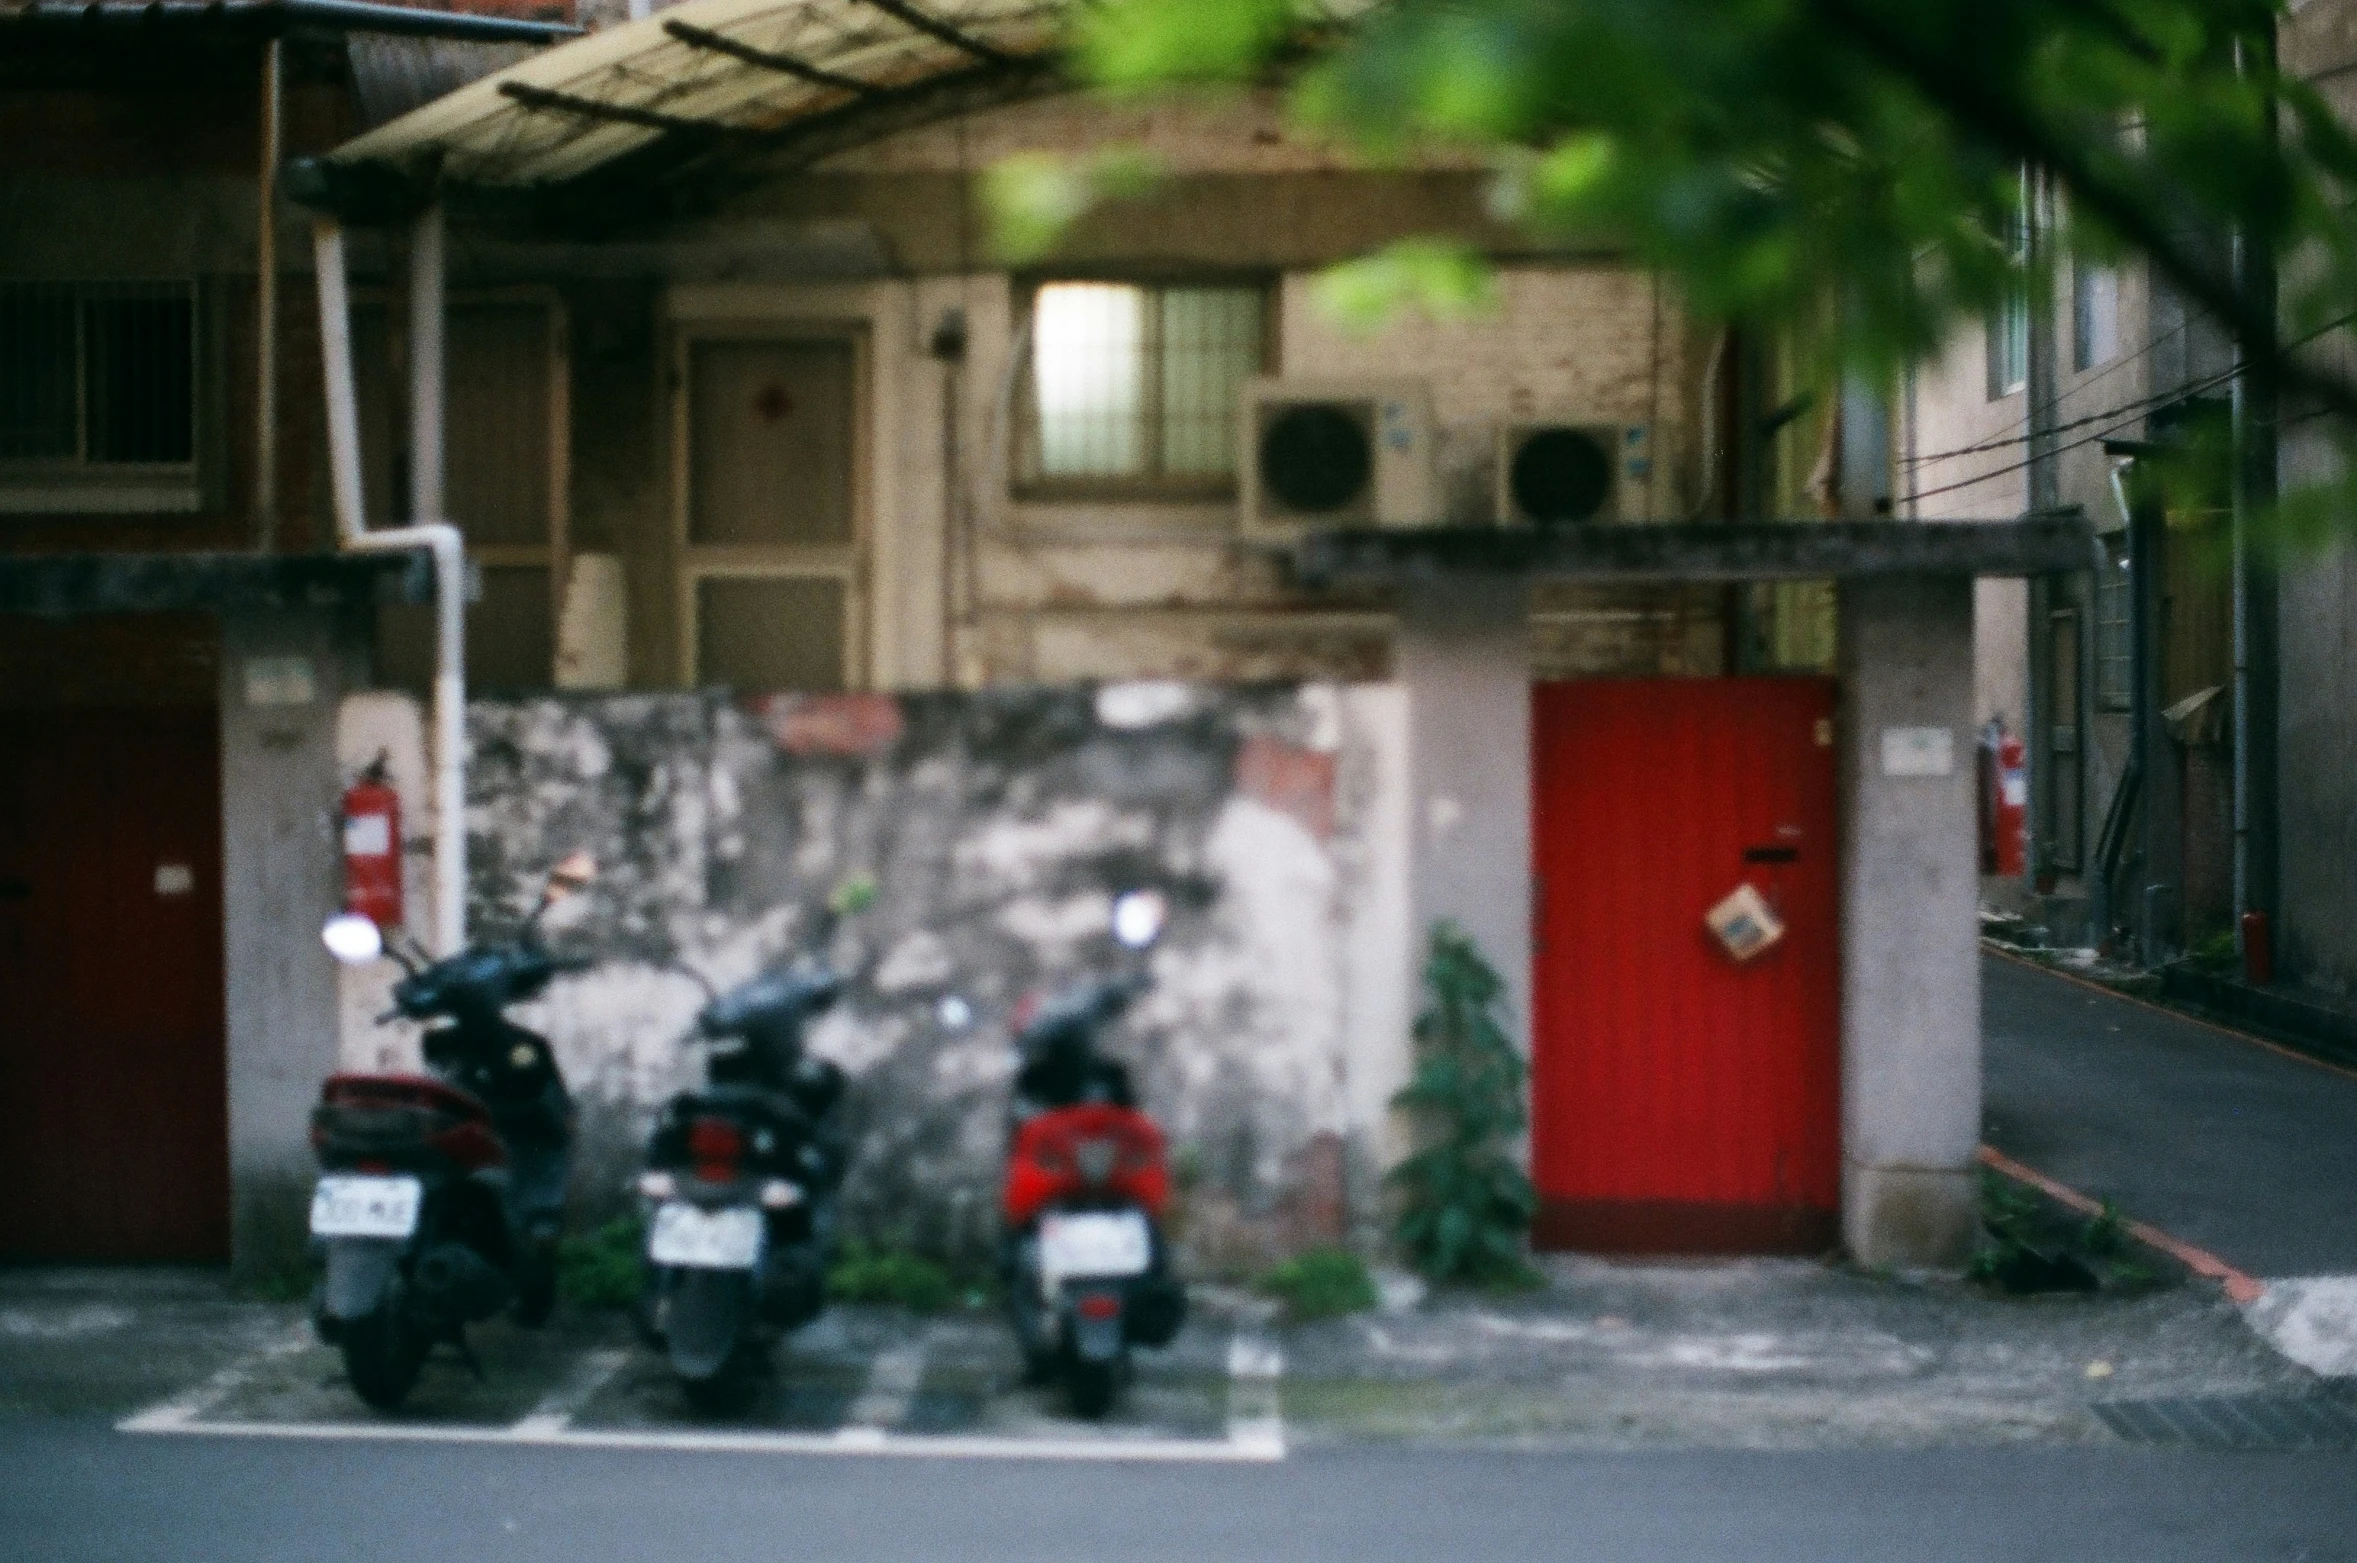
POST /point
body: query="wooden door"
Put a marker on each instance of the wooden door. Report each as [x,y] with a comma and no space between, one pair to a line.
[113,1067]
[1683,1101]
[770,513]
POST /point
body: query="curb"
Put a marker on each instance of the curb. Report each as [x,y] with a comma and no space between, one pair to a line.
[2241,1290]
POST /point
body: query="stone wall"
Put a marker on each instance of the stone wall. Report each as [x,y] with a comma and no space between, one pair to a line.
[996,826]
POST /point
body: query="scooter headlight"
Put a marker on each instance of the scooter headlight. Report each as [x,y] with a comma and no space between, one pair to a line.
[778,1194]
[657,1185]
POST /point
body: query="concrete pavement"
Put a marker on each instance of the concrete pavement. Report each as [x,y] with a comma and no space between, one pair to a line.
[2243,1150]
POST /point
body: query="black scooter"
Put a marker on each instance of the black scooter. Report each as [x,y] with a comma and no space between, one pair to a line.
[441,1196]
[740,1189]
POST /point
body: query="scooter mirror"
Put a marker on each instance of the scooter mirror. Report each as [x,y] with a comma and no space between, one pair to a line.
[1139,916]
[352,938]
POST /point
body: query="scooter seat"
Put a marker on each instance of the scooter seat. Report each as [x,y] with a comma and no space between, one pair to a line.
[411,1091]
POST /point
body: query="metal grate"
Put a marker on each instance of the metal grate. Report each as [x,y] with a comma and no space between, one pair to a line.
[2234,1422]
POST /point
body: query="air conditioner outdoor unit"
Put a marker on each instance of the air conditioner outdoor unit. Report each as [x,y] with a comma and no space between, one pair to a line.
[1336,453]
[1563,472]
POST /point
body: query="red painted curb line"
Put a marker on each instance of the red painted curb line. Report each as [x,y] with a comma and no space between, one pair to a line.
[2241,1289]
[2092,985]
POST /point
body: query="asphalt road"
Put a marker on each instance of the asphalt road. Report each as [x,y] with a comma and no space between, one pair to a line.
[2242,1150]
[72,1491]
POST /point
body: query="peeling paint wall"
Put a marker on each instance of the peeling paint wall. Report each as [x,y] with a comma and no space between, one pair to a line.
[997,827]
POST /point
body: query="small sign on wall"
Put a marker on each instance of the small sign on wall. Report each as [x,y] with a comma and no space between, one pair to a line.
[1918,751]
[280,681]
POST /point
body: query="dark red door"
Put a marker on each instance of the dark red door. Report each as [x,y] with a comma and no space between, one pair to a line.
[1683,1101]
[113,1100]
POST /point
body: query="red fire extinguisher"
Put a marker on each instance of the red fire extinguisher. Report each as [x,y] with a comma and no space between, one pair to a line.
[2005,804]
[372,847]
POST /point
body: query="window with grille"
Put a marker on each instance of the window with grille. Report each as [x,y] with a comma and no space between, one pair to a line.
[98,395]
[1131,386]
[2111,625]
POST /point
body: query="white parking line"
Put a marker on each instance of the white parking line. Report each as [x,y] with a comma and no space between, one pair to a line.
[555,1412]
[1255,1429]
[183,1410]
[875,1441]
[892,1383]
[1256,1418]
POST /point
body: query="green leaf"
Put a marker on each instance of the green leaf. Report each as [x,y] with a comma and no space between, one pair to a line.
[1137,42]
[1445,281]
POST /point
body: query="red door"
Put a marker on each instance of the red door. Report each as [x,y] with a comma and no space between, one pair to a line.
[1683,1101]
[113,1099]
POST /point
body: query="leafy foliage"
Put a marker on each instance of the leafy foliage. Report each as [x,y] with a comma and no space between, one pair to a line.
[1465,1203]
[1778,154]
[2034,1245]
[872,1275]
[1324,1283]
[601,1268]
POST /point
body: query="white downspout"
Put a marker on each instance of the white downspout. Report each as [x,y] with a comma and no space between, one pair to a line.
[438,538]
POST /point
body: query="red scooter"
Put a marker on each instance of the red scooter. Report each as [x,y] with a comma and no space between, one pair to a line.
[1086,1268]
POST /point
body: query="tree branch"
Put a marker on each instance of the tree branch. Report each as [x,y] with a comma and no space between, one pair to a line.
[2009,125]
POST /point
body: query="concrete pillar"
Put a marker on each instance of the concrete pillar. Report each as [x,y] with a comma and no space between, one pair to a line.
[281,674]
[1463,655]
[1911,1009]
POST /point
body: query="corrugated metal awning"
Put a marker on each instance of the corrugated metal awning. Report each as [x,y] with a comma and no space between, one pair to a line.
[713,71]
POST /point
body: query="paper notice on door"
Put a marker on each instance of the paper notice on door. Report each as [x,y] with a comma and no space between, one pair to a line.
[1744,923]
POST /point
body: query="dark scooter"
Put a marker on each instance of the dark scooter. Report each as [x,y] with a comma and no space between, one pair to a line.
[740,1188]
[1086,1267]
[441,1196]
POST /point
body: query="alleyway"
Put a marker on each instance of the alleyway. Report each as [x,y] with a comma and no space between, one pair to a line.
[2237,1148]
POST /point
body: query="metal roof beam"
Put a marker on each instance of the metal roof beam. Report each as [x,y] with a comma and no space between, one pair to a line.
[786,64]
[618,113]
[934,27]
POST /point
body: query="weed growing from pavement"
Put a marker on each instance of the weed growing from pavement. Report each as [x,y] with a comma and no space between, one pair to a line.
[601,1269]
[2035,1245]
[871,1275]
[1466,1205]
[1324,1283]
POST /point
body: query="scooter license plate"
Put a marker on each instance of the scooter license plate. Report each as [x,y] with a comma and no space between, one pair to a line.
[1076,1247]
[365,1207]
[684,1235]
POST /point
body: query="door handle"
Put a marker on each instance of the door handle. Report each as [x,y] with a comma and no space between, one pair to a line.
[1771,854]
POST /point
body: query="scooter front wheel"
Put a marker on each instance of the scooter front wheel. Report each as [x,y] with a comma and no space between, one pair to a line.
[382,1352]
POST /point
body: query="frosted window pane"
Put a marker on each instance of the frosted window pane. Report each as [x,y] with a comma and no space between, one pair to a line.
[1210,345]
[1088,362]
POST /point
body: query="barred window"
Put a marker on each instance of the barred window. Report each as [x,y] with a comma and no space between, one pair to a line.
[96,379]
[1135,386]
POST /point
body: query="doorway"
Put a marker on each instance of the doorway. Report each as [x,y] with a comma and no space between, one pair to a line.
[113,1039]
[1684,1101]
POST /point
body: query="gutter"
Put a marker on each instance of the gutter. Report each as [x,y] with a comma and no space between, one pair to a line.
[437,538]
[276,18]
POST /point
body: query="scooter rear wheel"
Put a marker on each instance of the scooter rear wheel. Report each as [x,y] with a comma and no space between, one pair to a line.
[536,1286]
[382,1351]
[1091,1385]
[728,1389]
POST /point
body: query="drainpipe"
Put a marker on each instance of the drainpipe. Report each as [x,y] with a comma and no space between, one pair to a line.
[2256,859]
[437,538]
